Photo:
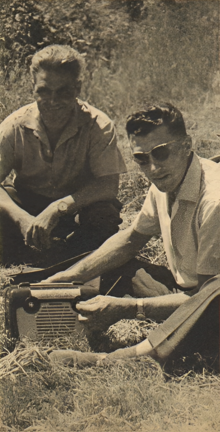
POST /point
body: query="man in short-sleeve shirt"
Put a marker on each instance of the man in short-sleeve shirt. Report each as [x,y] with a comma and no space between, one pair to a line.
[59,160]
[190,232]
[182,204]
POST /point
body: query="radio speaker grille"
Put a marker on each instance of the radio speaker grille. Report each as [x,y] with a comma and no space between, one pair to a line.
[55,318]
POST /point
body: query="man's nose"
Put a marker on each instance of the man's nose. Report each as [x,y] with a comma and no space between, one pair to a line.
[53,98]
[153,165]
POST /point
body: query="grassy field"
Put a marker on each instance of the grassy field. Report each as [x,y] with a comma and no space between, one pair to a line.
[134,396]
[37,396]
[136,51]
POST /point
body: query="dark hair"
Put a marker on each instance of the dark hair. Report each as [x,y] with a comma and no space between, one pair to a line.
[59,58]
[145,121]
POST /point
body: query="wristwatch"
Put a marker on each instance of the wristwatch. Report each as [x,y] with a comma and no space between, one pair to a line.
[62,207]
[140,315]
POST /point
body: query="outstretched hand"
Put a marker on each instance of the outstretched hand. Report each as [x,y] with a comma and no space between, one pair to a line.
[103,311]
[83,359]
[72,357]
[39,232]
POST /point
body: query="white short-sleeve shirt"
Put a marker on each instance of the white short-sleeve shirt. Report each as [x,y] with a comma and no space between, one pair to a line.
[191,235]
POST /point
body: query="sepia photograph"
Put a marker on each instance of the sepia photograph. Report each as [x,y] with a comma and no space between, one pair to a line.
[109,215]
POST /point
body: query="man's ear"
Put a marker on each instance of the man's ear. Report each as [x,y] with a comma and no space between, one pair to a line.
[33,82]
[78,88]
[188,144]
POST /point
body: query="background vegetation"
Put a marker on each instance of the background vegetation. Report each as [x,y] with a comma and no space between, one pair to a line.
[136,51]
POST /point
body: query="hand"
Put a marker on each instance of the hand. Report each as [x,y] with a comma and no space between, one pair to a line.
[38,234]
[63,276]
[145,286]
[103,311]
[25,223]
[71,357]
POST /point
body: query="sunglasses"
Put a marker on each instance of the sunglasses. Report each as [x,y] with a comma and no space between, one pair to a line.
[159,153]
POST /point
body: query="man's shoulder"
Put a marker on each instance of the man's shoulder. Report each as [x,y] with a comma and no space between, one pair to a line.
[17,117]
[208,164]
[210,180]
[94,114]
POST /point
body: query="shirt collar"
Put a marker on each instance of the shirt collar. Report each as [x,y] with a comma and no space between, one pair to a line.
[190,188]
[32,120]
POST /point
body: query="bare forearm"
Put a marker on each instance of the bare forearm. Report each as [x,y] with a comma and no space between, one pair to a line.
[9,207]
[156,308]
[160,308]
[142,349]
[115,252]
[101,189]
[112,254]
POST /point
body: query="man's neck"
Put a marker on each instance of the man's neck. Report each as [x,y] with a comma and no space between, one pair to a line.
[55,129]
[175,192]
[54,133]
[172,195]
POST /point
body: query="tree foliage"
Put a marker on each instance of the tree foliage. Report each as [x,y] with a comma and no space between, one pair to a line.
[135,50]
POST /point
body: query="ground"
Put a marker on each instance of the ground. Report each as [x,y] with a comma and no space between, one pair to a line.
[36,396]
[136,51]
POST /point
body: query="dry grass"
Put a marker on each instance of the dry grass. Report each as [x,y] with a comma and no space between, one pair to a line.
[21,358]
[36,396]
[138,395]
[134,396]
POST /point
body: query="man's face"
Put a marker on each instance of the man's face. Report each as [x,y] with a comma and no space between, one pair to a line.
[165,174]
[55,93]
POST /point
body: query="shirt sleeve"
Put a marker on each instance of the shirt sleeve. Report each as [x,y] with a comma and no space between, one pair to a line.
[208,261]
[104,155]
[147,221]
[6,149]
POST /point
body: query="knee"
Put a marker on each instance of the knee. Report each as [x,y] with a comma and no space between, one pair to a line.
[102,214]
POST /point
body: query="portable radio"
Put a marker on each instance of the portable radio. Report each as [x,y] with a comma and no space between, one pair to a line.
[40,310]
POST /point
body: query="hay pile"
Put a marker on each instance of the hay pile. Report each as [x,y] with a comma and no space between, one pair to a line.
[128,332]
[25,356]
[122,334]
[28,356]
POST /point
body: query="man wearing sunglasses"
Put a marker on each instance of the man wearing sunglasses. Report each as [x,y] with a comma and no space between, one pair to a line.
[183,204]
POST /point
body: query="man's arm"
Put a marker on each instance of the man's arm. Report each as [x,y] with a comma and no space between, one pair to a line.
[100,189]
[155,308]
[115,252]
[20,217]
[103,311]
[7,206]
[105,163]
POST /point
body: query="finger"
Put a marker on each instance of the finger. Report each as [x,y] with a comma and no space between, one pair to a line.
[88,306]
[83,311]
[52,279]
[44,238]
[92,301]
[28,237]
[82,318]
[35,237]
